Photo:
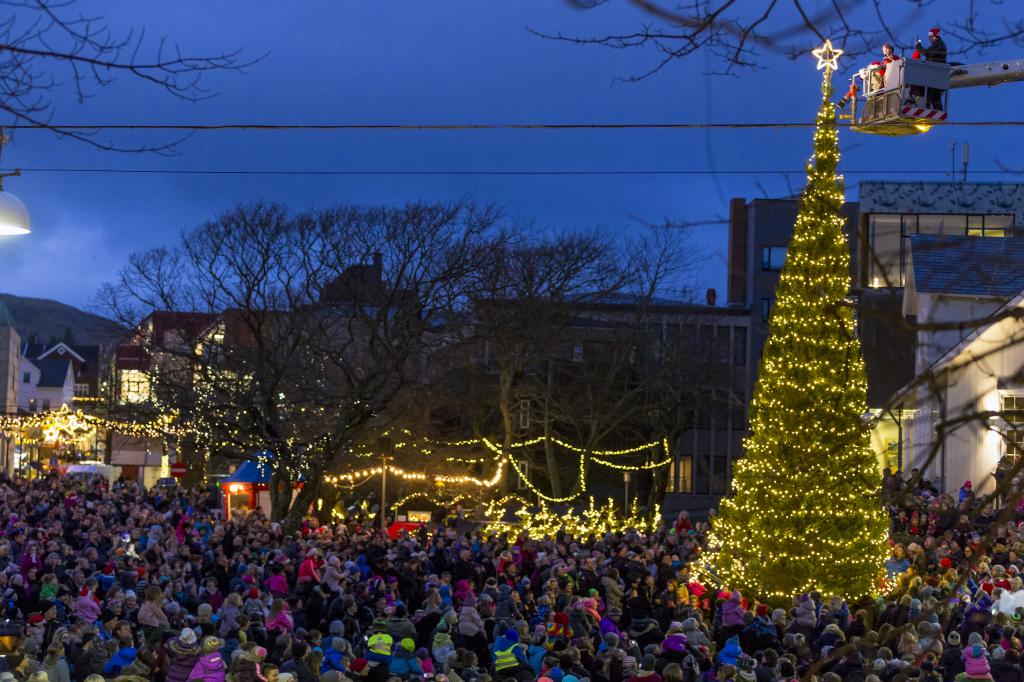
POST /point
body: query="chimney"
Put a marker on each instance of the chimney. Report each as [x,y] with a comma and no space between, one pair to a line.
[737,289]
[711,296]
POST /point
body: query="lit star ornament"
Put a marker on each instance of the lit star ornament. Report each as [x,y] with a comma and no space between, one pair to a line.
[828,56]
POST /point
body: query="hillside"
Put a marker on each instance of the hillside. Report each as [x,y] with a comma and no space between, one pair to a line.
[53,320]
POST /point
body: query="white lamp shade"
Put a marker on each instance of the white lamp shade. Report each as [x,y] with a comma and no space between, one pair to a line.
[13,215]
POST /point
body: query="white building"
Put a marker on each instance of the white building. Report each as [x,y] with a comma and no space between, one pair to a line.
[963,414]
[45,384]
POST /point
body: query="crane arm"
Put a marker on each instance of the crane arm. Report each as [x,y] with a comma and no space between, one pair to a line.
[989,73]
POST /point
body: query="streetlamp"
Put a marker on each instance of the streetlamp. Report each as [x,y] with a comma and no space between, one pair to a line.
[14,219]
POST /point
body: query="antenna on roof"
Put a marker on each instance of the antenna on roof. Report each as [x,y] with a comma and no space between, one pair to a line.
[965,158]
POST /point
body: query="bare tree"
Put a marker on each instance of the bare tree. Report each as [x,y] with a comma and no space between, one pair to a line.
[47,45]
[739,34]
[319,321]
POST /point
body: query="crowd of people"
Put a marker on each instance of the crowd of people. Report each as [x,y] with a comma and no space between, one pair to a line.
[112,582]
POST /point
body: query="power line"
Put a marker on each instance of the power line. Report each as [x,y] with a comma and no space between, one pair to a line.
[457,126]
[482,172]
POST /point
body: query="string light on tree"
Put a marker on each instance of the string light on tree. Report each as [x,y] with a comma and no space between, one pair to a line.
[806,513]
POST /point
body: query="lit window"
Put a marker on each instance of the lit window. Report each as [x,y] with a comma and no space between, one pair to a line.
[1013,409]
[134,386]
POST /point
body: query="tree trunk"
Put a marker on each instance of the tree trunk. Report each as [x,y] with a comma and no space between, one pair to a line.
[280,495]
[505,405]
[306,496]
[549,450]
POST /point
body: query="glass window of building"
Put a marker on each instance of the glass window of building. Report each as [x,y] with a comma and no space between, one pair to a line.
[889,236]
[773,257]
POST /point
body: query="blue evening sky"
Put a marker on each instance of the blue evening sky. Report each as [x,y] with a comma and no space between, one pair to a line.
[460,61]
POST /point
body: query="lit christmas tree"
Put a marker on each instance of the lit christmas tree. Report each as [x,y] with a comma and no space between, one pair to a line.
[806,512]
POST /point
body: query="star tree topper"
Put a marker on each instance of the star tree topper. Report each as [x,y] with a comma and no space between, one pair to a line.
[828,56]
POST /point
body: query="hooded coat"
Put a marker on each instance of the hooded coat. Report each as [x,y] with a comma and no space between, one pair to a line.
[732,611]
[181,659]
[694,635]
[730,652]
[209,668]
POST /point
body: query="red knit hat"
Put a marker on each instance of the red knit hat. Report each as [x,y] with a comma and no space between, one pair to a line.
[946,562]
[934,31]
[762,609]
[357,665]
[254,593]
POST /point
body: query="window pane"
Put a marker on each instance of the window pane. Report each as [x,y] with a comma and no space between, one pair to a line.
[885,250]
[929,224]
[685,471]
[702,478]
[998,221]
[739,346]
[954,224]
[975,221]
[721,476]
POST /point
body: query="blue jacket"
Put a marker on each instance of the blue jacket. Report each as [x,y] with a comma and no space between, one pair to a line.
[730,652]
[333,660]
[404,664]
[535,654]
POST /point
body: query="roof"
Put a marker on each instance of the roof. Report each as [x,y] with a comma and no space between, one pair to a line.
[52,373]
[254,471]
[967,266]
[953,353]
[250,471]
[5,316]
[957,198]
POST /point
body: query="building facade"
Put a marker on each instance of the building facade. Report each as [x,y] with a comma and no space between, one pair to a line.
[904,329]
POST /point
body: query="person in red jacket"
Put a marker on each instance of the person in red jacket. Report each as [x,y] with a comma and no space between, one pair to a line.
[309,570]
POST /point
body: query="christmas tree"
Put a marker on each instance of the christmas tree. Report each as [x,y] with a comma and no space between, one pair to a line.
[806,512]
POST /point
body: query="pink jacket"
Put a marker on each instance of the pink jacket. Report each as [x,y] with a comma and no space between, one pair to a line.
[282,622]
[87,609]
[975,662]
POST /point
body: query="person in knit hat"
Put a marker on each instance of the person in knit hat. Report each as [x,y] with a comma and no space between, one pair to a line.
[952,660]
[976,659]
[181,654]
[745,668]
[210,667]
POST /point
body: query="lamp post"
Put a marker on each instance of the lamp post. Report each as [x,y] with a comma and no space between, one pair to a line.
[14,219]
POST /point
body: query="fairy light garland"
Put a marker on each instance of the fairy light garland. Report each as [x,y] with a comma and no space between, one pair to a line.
[545,523]
[805,514]
[78,423]
[503,459]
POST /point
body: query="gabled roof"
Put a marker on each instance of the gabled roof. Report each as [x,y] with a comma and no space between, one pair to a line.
[56,348]
[947,358]
[52,373]
[967,266]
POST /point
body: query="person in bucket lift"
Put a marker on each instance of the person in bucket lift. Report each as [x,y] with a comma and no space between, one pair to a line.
[935,52]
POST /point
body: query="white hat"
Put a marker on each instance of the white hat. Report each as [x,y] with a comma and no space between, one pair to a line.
[188,636]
